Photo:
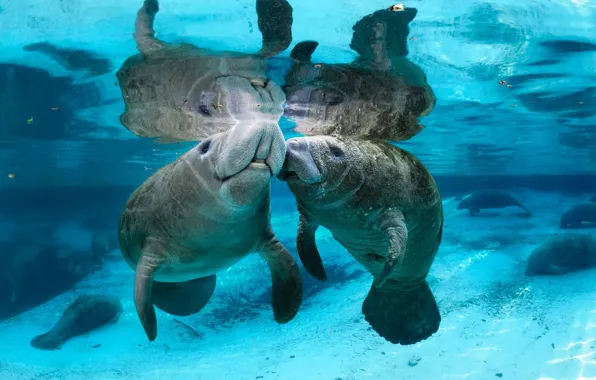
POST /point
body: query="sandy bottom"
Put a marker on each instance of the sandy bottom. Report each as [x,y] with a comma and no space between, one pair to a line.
[497,323]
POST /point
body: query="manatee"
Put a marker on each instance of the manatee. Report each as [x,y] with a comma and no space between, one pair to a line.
[186,93]
[593,199]
[562,254]
[384,207]
[489,199]
[381,94]
[575,215]
[202,214]
[86,313]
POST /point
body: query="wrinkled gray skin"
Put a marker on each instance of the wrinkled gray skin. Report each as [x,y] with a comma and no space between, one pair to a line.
[562,254]
[86,313]
[384,207]
[584,212]
[489,199]
[381,94]
[200,215]
[185,93]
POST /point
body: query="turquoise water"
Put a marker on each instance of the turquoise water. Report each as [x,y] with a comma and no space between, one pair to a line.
[515,111]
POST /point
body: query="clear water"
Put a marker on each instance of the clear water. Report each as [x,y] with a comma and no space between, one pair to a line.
[68,166]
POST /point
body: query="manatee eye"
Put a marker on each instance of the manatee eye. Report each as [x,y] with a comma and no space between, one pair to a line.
[336,151]
[204,147]
[333,98]
[204,106]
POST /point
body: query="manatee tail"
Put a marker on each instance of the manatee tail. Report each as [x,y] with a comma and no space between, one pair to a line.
[275,23]
[400,317]
[397,29]
[518,204]
[183,298]
[48,341]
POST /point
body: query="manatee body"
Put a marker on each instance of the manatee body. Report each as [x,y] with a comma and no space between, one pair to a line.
[381,94]
[576,215]
[86,313]
[200,215]
[489,199]
[563,254]
[185,93]
[384,207]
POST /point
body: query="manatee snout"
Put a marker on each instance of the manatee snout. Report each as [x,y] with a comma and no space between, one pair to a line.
[249,158]
[299,162]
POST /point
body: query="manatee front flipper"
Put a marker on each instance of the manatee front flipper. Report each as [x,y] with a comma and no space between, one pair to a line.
[144,34]
[400,314]
[394,225]
[304,50]
[287,281]
[275,23]
[307,249]
[148,265]
[183,298]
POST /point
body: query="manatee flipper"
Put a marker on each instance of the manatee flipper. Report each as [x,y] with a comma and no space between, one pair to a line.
[402,316]
[394,224]
[286,292]
[183,298]
[396,25]
[473,210]
[304,50]
[48,341]
[275,23]
[520,205]
[149,263]
[307,249]
[86,313]
[144,34]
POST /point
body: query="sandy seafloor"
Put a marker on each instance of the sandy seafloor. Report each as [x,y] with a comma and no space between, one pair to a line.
[495,321]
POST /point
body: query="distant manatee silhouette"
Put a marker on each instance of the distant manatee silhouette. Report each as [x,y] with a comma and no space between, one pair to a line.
[562,254]
[86,313]
[489,199]
[576,215]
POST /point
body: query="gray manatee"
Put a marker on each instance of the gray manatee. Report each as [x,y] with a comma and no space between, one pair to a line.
[185,93]
[576,215]
[489,199]
[381,94]
[562,254]
[86,313]
[202,214]
[384,207]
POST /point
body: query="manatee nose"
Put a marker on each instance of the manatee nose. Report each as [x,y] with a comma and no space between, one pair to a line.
[296,146]
[300,160]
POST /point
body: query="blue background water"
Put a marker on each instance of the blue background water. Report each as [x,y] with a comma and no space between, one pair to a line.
[76,165]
